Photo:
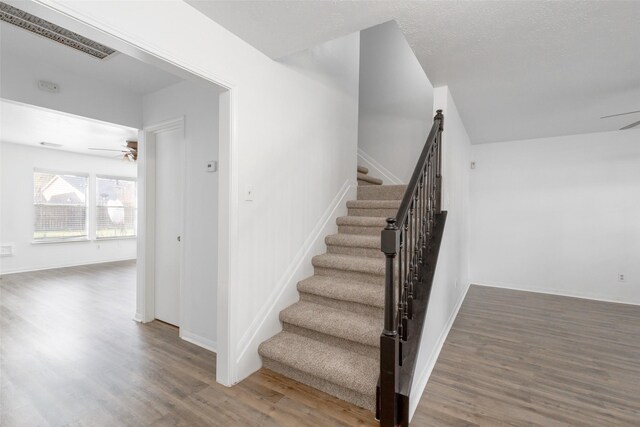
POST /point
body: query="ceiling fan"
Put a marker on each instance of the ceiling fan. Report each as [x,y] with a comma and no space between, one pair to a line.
[629,126]
[130,151]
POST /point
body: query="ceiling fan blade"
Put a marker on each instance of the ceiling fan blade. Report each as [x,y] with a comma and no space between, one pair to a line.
[621,114]
[107,149]
[632,125]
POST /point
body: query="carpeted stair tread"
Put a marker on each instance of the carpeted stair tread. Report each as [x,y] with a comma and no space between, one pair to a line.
[362,169]
[381,192]
[343,290]
[353,240]
[362,221]
[358,264]
[373,204]
[336,365]
[343,324]
[369,179]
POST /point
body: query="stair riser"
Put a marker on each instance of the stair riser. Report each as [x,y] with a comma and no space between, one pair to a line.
[353,307]
[374,279]
[358,399]
[362,231]
[352,250]
[380,213]
[356,347]
[381,192]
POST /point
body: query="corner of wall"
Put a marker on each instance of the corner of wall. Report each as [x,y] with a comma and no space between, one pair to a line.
[198,340]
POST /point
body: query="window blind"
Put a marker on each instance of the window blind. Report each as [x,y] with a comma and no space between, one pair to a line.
[60,205]
[115,207]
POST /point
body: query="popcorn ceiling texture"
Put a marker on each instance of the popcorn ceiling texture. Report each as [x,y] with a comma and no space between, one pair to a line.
[518,70]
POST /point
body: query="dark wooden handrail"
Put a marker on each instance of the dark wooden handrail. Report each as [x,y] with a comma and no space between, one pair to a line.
[436,128]
[411,243]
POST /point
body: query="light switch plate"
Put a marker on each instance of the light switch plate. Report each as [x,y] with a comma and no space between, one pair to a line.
[248,193]
[212,166]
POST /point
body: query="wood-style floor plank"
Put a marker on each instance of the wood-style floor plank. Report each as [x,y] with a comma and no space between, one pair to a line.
[70,355]
[522,358]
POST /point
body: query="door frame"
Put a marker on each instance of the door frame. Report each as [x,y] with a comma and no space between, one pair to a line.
[146,281]
[130,43]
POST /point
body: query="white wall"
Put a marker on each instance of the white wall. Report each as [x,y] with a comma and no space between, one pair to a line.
[301,181]
[80,94]
[451,280]
[293,138]
[396,104]
[198,104]
[16,209]
[558,215]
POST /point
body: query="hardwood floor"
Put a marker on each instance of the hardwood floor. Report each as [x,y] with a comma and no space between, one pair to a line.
[522,358]
[70,355]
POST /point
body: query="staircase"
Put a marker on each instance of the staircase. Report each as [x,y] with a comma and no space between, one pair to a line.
[331,337]
[365,179]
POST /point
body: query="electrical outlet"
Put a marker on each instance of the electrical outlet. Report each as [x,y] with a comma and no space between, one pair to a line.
[621,277]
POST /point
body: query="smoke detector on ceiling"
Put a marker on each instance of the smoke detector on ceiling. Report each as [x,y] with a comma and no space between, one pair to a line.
[53,32]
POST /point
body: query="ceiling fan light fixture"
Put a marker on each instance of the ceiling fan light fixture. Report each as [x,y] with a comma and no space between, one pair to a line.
[50,144]
[630,126]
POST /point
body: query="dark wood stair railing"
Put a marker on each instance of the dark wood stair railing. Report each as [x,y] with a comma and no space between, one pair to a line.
[411,243]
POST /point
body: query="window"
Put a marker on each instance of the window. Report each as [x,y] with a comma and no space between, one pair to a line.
[60,206]
[115,207]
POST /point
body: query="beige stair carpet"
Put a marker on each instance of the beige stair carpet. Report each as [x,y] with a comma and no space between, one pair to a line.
[365,179]
[331,337]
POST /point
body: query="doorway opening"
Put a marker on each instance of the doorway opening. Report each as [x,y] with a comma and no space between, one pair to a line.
[181,128]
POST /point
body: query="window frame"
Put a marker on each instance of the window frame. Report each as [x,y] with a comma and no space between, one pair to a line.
[95,210]
[49,240]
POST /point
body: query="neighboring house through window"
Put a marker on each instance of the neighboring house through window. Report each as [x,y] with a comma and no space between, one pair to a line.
[60,206]
[116,207]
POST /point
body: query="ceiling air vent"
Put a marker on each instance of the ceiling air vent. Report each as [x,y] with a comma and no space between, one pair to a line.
[53,32]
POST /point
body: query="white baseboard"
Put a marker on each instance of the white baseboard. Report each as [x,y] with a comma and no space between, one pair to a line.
[266,322]
[137,317]
[423,377]
[198,340]
[370,163]
[550,291]
[66,265]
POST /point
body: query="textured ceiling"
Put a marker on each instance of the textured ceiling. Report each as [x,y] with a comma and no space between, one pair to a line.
[517,69]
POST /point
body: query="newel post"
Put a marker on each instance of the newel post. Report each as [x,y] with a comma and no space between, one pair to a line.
[439,116]
[389,341]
